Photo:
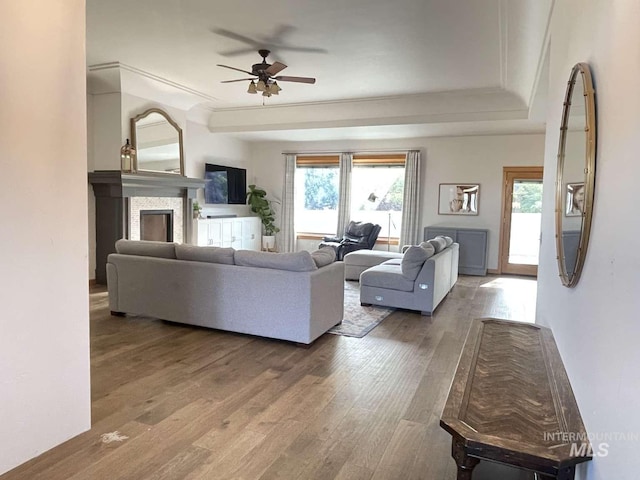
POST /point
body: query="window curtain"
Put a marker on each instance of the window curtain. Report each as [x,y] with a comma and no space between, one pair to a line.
[409,232]
[344,196]
[287,228]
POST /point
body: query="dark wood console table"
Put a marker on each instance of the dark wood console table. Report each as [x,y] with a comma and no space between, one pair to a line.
[511,402]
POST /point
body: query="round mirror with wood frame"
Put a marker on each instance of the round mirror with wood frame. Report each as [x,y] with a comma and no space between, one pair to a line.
[575,179]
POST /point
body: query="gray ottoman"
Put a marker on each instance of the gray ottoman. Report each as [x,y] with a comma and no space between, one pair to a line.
[357,262]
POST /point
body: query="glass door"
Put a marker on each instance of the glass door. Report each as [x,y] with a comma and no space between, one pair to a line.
[521,215]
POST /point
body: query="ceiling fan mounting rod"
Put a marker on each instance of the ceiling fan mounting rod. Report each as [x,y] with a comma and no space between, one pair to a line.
[264,54]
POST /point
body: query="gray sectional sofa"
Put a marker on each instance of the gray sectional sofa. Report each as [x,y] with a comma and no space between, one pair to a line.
[295,297]
[419,280]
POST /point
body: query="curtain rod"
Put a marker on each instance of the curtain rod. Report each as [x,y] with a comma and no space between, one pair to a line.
[359,152]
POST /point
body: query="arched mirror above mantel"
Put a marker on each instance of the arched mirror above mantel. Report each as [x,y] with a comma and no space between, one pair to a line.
[575,179]
[158,143]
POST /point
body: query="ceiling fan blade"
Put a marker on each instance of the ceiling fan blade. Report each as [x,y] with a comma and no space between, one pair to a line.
[295,79]
[299,49]
[234,68]
[239,80]
[275,68]
[236,36]
[238,51]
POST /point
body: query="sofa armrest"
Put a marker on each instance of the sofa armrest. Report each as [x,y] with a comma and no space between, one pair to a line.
[332,239]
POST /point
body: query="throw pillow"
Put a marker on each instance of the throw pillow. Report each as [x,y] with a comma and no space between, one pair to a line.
[205,254]
[146,248]
[324,256]
[412,262]
[431,251]
[438,243]
[294,262]
[448,240]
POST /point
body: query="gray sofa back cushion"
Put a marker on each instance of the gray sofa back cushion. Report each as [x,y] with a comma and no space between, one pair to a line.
[146,248]
[324,256]
[412,262]
[431,251]
[438,243]
[293,262]
[205,254]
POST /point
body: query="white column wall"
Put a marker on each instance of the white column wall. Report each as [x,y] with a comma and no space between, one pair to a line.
[44,339]
[596,323]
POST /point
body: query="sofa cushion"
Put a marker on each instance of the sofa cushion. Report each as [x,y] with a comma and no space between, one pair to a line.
[369,258]
[146,248]
[448,240]
[392,261]
[324,256]
[294,262]
[412,262]
[386,276]
[430,249]
[438,243]
[205,254]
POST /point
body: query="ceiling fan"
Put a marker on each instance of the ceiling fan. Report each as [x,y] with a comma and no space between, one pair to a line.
[265,76]
[274,42]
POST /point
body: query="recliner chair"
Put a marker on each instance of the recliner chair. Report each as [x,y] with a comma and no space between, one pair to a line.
[357,236]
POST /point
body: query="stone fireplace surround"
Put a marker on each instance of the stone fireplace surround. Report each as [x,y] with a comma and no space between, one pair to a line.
[120,196]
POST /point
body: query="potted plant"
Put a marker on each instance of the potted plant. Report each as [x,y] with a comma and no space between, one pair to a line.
[197,209]
[256,199]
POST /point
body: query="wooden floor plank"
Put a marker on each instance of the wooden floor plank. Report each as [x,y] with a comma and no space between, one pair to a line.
[198,403]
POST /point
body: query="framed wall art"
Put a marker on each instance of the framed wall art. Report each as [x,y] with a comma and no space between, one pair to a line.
[574,194]
[458,199]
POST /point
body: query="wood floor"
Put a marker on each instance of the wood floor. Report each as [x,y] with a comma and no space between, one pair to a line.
[192,403]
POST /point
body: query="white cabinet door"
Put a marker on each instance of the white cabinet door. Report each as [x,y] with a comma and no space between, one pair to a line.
[227,232]
[239,233]
[214,233]
[251,233]
[236,233]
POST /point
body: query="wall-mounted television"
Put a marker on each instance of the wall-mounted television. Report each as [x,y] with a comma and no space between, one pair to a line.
[226,185]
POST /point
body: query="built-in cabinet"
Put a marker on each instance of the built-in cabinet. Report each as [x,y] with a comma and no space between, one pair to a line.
[473,243]
[241,233]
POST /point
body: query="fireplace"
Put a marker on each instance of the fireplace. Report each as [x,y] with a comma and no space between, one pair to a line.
[120,197]
[156,225]
[158,212]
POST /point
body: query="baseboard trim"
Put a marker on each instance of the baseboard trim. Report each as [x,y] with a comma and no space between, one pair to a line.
[92,282]
[492,271]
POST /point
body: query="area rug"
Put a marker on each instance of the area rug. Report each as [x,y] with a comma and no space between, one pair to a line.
[358,320]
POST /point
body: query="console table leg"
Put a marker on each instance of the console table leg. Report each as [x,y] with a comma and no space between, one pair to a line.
[568,473]
[465,463]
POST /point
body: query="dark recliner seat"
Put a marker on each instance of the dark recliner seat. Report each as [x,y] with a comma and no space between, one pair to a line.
[357,236]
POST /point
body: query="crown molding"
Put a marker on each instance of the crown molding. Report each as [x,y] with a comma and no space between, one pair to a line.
[112,66]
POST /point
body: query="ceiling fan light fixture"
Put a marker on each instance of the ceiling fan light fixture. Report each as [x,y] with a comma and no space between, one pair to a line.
[266,93]
[275,88]
[261,87]
[252,87]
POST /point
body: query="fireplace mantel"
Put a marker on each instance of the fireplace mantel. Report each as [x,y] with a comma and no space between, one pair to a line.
[114,183]
[114,190]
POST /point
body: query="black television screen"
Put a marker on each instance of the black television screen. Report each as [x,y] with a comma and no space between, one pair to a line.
[225,185]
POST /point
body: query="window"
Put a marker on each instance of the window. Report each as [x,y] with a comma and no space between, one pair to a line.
[384,207]
[317,184]
[377,189]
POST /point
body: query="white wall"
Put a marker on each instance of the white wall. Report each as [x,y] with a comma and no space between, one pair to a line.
[596,323]
[44,340]
[476,159]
